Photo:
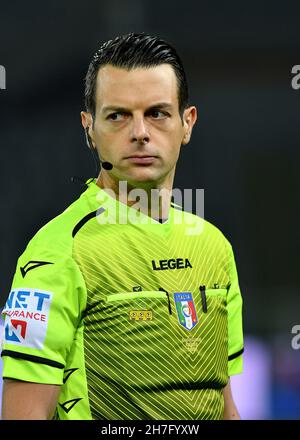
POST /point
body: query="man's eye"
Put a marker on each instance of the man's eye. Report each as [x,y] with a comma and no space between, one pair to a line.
[157,114]
[116,116]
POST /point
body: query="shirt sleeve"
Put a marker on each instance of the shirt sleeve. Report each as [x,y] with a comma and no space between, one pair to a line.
[41,315]
[235,325]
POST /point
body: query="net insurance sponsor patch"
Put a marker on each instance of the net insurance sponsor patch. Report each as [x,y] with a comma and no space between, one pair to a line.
[26,317]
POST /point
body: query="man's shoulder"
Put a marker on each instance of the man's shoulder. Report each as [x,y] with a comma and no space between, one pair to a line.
[216,232]
[200,226]
[56,235]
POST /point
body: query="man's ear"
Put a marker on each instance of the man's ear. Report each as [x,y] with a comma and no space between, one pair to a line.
[189,119]
[87,123]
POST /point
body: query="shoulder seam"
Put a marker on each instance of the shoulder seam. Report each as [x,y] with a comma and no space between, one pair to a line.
[85,219]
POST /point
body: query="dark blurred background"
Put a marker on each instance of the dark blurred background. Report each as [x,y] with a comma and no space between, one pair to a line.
[244,151]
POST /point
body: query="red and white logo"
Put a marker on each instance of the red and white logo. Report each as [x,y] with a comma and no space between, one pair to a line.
[26,317]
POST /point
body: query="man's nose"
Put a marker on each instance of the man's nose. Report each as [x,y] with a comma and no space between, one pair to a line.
[139,130]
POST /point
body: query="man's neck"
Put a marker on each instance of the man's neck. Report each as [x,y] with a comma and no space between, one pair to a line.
[151,200]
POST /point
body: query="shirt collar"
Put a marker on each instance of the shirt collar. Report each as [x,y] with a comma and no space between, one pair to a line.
[119,210]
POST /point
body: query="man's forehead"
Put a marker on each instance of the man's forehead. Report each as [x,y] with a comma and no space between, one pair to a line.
[121,86]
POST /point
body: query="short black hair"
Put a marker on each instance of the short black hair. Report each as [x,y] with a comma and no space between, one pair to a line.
[131,51]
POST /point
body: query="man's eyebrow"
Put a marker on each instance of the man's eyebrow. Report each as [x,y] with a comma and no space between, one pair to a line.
[159,105]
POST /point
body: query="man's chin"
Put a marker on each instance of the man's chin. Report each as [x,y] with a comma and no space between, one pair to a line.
[141,183]
[143,178]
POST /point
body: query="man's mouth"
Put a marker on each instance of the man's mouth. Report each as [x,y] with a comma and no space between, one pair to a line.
[141,159]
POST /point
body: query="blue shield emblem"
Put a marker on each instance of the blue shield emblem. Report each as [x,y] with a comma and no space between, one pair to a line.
[186,311]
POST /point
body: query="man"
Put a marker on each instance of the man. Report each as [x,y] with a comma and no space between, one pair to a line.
[117,312]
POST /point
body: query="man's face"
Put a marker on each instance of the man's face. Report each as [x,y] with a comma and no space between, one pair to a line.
[137,126]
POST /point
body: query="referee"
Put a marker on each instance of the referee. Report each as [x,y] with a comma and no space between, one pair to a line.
[118,309]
